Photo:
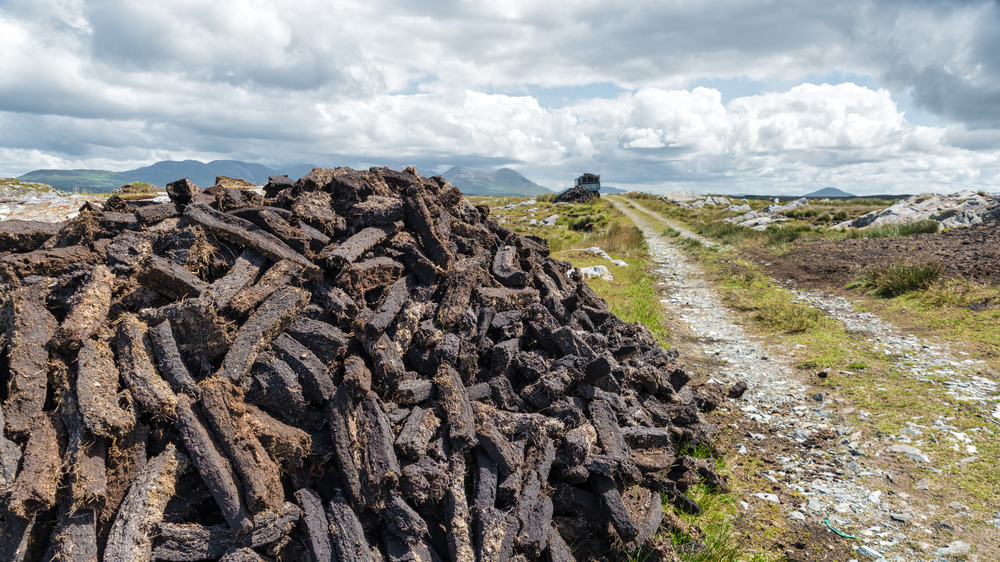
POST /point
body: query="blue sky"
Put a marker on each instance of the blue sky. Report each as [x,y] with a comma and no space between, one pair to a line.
[731,96]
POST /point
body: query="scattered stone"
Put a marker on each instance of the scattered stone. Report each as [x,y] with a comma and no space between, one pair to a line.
[901,517]
[910,451]
[598,271]
[603,255]
[955,548]
[768,497]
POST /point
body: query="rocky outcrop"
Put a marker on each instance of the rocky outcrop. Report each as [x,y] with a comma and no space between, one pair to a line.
[955,210]
[759,220]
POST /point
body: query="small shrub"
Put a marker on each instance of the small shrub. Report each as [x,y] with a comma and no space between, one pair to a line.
[136,190]
[584,224]
[624,238]
[899,278]
[726,232]
[640,195]
[927,226]
[775,235]
[691,243]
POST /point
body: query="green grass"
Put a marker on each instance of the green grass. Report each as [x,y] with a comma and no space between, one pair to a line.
[898,278]
[632,295]
[26,186]
[750,291]
[732,233]
[720,539]
[895,230]
[624,238]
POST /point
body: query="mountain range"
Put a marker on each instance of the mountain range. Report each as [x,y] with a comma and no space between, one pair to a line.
[505,181]
[160,174]
[829,192]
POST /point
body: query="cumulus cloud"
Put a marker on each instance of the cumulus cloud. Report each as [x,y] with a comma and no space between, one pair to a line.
[120,83]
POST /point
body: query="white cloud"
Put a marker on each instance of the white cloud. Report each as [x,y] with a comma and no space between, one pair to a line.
[94,82]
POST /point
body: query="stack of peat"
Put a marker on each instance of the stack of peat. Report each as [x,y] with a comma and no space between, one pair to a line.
[355,366]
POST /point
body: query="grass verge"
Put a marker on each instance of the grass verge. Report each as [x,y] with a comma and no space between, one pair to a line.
[895,230]
[899,278]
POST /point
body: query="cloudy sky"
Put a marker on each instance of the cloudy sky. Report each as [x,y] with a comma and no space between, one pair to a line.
[728,96]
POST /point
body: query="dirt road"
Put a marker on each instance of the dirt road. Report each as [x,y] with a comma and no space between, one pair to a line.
[805,462]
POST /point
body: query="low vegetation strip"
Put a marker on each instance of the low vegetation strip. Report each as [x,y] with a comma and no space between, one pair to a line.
[895,230]
[899,278]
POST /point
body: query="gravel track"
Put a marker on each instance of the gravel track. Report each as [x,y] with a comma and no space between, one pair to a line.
[838,480]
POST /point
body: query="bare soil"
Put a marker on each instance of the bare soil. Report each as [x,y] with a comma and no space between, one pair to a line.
[969,253]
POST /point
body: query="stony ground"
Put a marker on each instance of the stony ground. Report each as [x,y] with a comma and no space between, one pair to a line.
[809,463]
[45,207]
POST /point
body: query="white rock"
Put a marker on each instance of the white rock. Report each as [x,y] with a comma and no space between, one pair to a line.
[716,201]
[954,210]
[954,548]
[594,271]
[867,551]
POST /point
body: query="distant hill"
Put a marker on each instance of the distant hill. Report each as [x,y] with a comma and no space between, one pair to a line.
[829,192]
[97,181]
[202,174]
[610,189]
[162,173]
[504,182]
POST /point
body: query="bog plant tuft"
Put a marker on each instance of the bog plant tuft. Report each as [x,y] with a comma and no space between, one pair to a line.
[898,278]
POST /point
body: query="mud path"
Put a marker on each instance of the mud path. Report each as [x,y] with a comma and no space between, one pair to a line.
[820,457]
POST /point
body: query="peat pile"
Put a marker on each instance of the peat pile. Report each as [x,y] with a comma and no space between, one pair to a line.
[359,364]
[577,194]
